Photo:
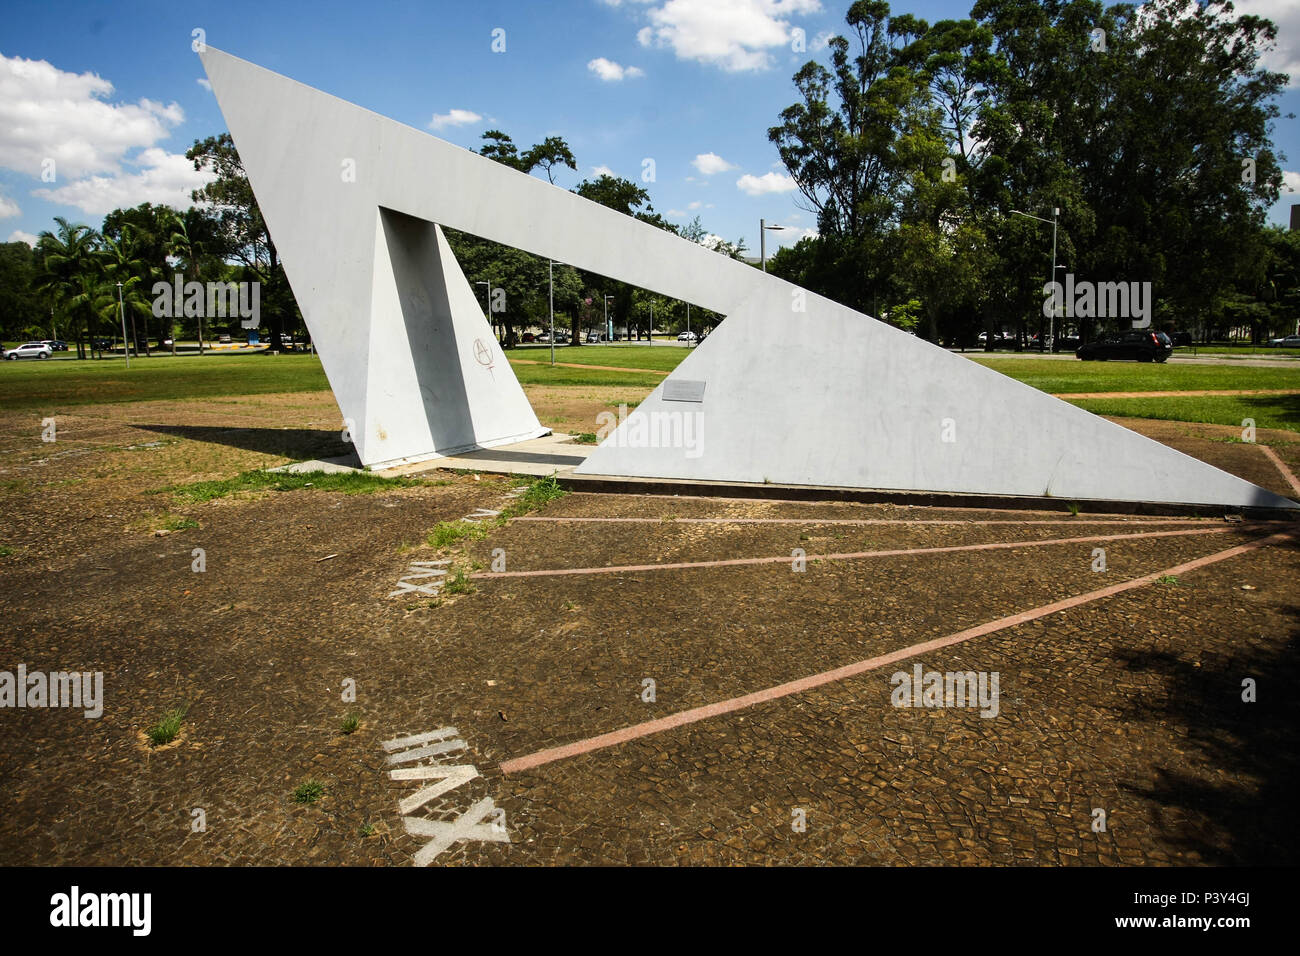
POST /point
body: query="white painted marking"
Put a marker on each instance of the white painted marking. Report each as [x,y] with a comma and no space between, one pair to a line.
[405,588]
[468,826]
[431,751]
[453,778]
[401,743]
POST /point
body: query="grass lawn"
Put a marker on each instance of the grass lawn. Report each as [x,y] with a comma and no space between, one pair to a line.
[1139,377]
[48,386]
[623,356]
[52,385]
[1268,411]
[1251,350]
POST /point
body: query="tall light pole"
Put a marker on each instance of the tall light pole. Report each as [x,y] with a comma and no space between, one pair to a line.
[609,329]
[763,227]
[550,275]
[1056,214]
[121,311]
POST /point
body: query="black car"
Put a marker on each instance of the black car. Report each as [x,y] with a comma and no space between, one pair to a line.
[56,345]
[1142,345]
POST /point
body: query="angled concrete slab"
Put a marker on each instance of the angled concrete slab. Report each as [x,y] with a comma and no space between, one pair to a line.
[791,388]
[813,393]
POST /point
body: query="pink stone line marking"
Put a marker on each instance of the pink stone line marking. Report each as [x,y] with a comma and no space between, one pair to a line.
[854,555]
[803,501]
[614,738]
[1272,456]
[868,521]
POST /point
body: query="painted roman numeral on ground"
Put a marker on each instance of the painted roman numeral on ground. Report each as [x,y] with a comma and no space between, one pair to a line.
[430,571]
[470,825]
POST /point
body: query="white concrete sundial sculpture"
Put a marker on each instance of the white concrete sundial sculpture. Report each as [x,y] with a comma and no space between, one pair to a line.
[791,388]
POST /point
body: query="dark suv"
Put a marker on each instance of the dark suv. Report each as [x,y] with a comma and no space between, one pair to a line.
[1143,345]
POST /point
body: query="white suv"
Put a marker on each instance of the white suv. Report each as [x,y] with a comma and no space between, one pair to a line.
[29,350]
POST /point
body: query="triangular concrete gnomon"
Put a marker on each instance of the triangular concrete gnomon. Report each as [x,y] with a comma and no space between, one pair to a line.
[824,396]
[791,388]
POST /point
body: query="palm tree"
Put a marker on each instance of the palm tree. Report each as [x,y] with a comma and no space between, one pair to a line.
[67,261]
[185,246]
[119,262]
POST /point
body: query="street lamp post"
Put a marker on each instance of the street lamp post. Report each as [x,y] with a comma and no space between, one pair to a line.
[763,227]
[550,275]
[121,311]
[609,329]
[1056,214]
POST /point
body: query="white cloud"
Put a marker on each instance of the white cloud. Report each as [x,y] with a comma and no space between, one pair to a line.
[101,155]
[1290,181]
[203,82]
[821,41]
[599,171]
[46,113]
[1285,14]
[19,236]
[710,163]
[612,72]
[737,35]
[161,178]
[453,118]
[767,183]
[8,208]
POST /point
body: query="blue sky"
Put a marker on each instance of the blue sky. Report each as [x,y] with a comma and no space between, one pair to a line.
[113,90]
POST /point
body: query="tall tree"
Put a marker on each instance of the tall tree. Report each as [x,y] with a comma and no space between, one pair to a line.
[854,142]
[22,307]
[552,152]
[1149,127]
[242,232]
[65,272]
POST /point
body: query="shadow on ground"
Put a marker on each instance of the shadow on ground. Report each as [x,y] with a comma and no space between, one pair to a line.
[1239,809]
[296,443]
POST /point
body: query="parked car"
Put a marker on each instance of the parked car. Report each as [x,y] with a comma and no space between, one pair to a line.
[1180,338]
[1065,343]
[528,337]
[1000,340]
[101,345]
[687,337]
[1286,342]
[56,345]
[1140,344]
[37,350]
